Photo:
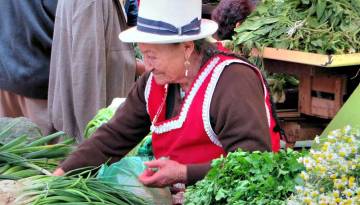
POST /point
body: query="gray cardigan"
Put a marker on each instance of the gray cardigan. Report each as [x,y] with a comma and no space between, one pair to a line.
[89,64]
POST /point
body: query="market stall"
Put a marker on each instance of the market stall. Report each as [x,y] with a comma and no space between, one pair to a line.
[317,42]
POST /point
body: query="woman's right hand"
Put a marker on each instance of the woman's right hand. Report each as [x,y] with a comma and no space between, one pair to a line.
[58,172]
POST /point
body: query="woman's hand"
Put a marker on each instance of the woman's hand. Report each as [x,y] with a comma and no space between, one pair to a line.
[161,173]
[58,172]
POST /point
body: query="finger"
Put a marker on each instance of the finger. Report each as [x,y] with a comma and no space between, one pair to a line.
[152,180]
[148,172]
[155,163]
[58,172]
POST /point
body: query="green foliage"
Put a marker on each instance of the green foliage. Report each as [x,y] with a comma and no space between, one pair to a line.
[318,26]
[102,117]
[247,178]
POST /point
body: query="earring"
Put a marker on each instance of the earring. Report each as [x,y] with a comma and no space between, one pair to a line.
[187,65]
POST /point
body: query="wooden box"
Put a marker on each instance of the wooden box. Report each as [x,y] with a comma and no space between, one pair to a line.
[299,128]
[321,95]
[322,87]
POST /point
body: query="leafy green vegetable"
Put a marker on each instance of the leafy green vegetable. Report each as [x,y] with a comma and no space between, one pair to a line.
[103,116]
[247,178]
[318,26]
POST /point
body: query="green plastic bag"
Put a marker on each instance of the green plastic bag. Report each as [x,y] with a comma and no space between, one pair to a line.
[144,148]
[125,172]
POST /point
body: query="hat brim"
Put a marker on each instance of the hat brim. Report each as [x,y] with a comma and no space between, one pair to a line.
[208,27]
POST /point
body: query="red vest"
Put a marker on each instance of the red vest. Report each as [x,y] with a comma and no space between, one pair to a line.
[188,137]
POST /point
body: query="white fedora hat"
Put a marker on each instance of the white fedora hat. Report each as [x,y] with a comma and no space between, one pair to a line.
[169,21]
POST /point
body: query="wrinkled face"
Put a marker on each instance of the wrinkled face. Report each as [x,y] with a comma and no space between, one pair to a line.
[166,61]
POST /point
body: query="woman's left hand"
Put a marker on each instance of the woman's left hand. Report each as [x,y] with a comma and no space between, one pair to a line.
[167,172]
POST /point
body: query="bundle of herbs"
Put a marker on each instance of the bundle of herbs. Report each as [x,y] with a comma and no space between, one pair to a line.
[318,26]
[72,190]
[248,178]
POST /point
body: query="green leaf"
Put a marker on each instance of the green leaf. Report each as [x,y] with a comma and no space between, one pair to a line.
[305,2]
[245,36]
[320,8]
[317,43]
[221,194]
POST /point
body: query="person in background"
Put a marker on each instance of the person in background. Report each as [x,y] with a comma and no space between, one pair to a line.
[25,49]
[131,8]
[229,14]
[200,103]
[89,65]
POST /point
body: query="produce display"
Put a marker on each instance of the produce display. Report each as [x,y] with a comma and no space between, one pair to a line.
[20,158]
[26,179]
[328,174]
[73,190]
[318,26]
[248,178]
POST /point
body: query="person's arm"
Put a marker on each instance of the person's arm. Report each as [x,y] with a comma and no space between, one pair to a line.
[116,138]
[238,115]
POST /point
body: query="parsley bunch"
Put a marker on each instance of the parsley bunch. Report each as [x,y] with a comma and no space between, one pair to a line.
[248,178]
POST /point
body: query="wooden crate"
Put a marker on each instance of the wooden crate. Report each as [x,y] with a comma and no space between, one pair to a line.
[318,74]
[298,127]
[321,95]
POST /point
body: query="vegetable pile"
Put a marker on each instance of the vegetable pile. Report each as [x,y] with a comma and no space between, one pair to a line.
[25,175]
[20,158]
[248,178]
[73,190]
[319,26]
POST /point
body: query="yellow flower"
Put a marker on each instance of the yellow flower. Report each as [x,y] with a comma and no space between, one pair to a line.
[348,193]
[330,156]
[342,153]
[351,182]
[307,200]
[314,194]
[344,179]
[304,176]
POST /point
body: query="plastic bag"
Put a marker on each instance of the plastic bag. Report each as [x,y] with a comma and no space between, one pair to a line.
[125,174]
[144,148]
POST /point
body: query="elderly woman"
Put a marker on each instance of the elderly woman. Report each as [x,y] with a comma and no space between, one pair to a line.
[198,103]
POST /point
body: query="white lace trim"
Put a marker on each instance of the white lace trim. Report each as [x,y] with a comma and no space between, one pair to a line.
[175,124]
[210,91]
[147,91]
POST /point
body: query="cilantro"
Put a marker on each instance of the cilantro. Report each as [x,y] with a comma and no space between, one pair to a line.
[247,178]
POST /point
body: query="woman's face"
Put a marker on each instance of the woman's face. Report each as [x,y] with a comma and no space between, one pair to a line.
[166,61]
